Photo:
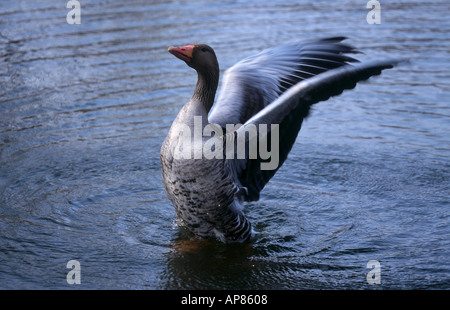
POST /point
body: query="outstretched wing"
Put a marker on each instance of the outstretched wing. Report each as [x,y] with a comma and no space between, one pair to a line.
[256,81]
[288,111]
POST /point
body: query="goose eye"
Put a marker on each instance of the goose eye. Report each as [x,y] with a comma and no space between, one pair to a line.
[204,49]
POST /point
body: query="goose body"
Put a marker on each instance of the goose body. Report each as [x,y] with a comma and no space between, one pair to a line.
[275,87]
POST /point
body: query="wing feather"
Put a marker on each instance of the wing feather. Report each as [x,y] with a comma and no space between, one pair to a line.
[258,80]
[289,111]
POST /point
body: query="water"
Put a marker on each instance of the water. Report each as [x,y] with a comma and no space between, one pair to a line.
[84,110]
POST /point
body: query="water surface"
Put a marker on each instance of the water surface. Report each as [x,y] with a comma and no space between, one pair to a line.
[84,110]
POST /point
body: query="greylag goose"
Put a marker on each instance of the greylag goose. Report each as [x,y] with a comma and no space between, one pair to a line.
[206,173]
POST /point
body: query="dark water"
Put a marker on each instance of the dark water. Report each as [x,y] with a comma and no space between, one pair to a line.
[84,110]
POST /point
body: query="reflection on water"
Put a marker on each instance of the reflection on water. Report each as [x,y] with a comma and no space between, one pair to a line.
[194,264]
[84,110]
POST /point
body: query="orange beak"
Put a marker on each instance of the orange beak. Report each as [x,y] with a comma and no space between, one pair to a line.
[184,53]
